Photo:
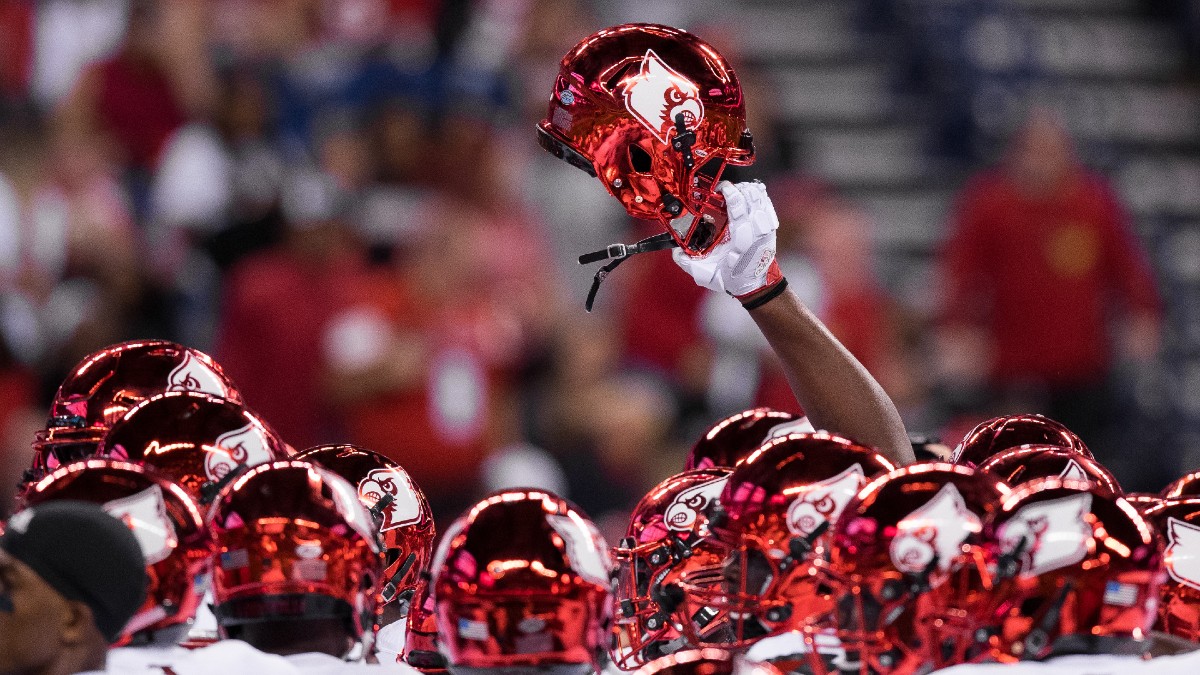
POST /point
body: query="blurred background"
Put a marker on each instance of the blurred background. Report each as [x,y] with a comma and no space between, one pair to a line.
[995,204]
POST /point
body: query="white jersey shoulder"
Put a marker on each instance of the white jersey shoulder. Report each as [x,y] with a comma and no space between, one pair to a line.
[1097,664]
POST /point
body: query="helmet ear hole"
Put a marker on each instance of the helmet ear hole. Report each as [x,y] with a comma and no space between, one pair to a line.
[639,159]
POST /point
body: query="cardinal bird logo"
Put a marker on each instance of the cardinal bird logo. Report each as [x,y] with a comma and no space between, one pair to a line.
[936,530]
[145,514]
[823,502]
[796,426]
[405,508]
[1055,533]
[657,94]
[1183,552]
[240,446]
[685,510]
[1073,471]
[195,375]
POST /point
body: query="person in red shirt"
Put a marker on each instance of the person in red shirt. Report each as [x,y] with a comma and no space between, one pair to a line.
[276,306]
[1040,262]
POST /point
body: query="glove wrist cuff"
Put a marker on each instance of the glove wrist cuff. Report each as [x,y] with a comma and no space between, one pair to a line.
[763,296]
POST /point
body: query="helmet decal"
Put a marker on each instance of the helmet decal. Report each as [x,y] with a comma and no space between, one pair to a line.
[689,504]
[823,502]
[934,531]
[240,446]
[194,375]
[1073,471]
[800,425]
[405,508]
[345,497]
[1062,519]
[585,547]
[145,514]
[658,93]
[1183,552]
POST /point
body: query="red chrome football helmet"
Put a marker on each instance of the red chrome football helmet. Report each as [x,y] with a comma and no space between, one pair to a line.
[194,439]
[666,539]
[655,113]
[295,543]
[168,525]
[907,567]
[1178,523]
[773,522]
[1143,501]
[1184,486]
[1090,570]
[106,384]
[1028,463]
[733,439]
[691,662]
[1001,433]
[405,522]
[522,585]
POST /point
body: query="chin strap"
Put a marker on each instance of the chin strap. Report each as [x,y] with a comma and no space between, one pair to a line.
[617,254]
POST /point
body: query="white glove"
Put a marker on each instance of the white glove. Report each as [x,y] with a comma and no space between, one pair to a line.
[744,261]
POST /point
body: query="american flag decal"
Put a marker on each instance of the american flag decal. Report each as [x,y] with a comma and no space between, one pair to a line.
[472,630]
[1119,594]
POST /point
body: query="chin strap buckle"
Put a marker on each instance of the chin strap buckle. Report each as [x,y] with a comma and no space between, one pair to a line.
[617,254]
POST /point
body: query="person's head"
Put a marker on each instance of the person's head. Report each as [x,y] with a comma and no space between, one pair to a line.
[1041,155]
[61,606]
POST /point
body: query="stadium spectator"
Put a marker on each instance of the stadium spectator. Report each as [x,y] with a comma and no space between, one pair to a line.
[1040,259]
[277,304]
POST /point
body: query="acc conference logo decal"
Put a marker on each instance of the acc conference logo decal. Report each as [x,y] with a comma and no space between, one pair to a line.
[657,94]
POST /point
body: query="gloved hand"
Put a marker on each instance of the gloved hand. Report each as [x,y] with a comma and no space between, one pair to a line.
[744,261]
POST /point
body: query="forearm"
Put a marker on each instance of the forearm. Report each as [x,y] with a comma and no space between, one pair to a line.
[837,392]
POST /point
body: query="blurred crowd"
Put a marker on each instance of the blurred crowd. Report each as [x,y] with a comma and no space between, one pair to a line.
[344,202]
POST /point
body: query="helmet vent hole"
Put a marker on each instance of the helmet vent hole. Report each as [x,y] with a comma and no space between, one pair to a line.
[639,159]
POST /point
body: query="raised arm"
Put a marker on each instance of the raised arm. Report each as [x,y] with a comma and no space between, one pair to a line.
[836,391]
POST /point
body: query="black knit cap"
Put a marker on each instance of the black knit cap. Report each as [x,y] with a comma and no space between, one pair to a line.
[86,555]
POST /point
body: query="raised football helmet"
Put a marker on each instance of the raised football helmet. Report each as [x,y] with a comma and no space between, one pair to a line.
[1010,431]
[1185,486]
[1089,572]
[656,114]
[691,662]
[733,439]
[398,505]
[773,521]
[908,566]
[169,527]
[295,543]
[101,388]
[1178,524]
[1027,463]
[521,584]
[667,538]
[197,440]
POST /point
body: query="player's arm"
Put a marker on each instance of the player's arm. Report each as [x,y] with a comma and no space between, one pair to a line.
[836,391]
